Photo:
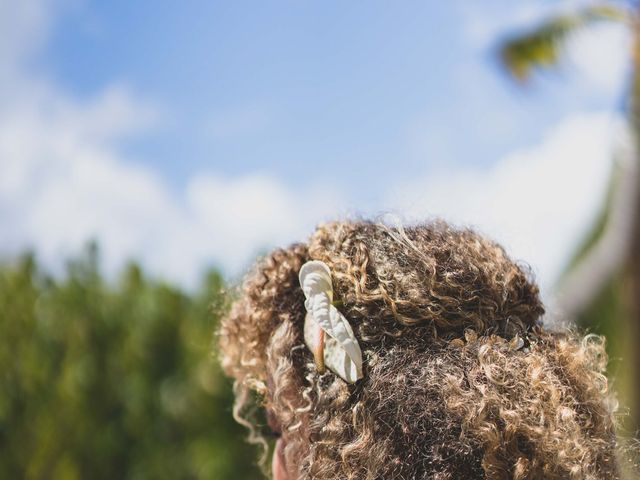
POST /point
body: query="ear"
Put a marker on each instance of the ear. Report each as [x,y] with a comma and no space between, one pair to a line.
[278,468]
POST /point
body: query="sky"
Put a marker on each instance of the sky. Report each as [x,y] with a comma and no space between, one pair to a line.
[187,135]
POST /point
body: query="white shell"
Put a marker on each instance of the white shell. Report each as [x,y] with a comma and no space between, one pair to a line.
[342,354]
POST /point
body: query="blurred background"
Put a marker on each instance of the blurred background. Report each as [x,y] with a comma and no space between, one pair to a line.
[149,151]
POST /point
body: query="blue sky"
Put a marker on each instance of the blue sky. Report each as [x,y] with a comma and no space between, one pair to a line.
[341,83]
[194,133]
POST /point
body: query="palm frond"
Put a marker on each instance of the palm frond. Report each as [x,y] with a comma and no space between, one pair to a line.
[540,47]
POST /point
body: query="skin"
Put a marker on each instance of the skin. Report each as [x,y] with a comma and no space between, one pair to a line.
[278,465]
[278,468]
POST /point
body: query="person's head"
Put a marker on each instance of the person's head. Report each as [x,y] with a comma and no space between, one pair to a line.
[460,379]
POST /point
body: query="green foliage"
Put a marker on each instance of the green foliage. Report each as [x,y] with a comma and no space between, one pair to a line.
[608,313]
[540,47]
[112,381]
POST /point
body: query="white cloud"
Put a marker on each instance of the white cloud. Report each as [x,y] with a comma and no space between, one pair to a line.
[58,189]
[64,180]
[62,185]
[539,201]
[234,217]
[601,56]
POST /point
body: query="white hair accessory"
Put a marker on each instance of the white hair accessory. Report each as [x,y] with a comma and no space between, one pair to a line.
[327,332]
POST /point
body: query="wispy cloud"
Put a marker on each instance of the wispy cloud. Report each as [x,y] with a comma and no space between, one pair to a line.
[601,55]
[24,26]
[538,201]
[238,121]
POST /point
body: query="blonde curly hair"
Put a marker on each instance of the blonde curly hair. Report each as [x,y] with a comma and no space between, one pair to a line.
[461,380]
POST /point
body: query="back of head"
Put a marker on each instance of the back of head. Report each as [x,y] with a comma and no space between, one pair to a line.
[461,380]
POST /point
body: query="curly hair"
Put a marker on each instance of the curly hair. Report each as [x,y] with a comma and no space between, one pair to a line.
[461,379]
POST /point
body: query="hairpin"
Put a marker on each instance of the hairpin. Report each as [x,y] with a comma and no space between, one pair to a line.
[327,332]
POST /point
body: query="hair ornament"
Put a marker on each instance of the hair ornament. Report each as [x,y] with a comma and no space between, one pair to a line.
[327,332]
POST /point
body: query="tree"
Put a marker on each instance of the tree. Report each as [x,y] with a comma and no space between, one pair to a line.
[109,380]
[601,289]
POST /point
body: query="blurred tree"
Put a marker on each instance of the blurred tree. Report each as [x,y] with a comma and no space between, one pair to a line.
[601,289]
[107,381]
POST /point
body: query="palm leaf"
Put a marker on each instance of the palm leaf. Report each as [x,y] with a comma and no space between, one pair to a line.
[540,47]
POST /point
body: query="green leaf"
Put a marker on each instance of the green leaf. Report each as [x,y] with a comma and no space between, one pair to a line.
[540,47]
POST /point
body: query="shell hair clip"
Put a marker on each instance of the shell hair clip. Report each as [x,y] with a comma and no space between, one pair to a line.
[327,332]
